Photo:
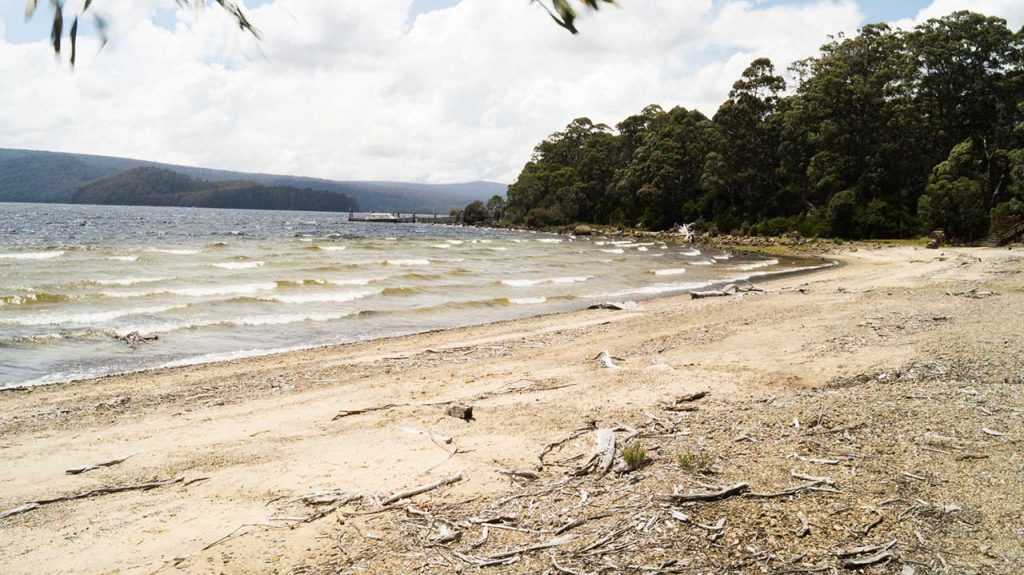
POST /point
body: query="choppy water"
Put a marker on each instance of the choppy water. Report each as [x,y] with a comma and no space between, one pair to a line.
[223,284]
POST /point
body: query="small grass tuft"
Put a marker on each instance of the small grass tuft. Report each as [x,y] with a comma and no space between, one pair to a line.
[635,455]
[695,462]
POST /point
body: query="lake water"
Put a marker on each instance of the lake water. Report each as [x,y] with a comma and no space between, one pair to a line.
[225,284]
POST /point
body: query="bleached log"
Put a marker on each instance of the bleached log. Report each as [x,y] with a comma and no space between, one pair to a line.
[604,454]
[400,495]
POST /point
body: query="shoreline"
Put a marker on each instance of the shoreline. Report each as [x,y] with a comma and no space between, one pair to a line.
[194,361]
[250,437]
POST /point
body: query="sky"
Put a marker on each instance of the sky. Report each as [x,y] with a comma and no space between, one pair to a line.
[411,90]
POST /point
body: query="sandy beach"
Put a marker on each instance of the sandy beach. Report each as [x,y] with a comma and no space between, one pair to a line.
[787,371]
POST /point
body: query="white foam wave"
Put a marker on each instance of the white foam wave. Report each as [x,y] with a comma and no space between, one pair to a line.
[534,282]
[410,262]
[355,281]
[123,258]
[253,321]
[337,297]
[176,252]
[550,241]
[527,300]
[333,248]
[702,263]
[199,291]
[690,253]
[669,272]
[456,242]
[614,251]
[441,246]
[757,265]
[32,256]
[498,249]
[87,318]
[238,265]
[128,281]
[654,290]
[722,257]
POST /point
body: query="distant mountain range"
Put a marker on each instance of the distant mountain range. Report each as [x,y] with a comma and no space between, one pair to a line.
[56,177]
[160,187]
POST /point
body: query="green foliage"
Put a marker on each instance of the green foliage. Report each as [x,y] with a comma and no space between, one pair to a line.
[839,217]
[475,214]
[635,455]
[886,131]
[695,461]
[1006,217]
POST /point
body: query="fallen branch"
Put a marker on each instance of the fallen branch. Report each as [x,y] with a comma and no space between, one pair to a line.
[350,412]
[725,493]
[93,493]
[813,486]
[516,474]
[547,448]
[84,468]
[400,495]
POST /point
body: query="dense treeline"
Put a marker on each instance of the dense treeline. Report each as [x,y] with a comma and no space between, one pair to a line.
[886,134]
[159,187]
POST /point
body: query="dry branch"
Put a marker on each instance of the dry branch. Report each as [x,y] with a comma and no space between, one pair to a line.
[93,493]
[725,493]
[400,495]
[351,412]
[84,468]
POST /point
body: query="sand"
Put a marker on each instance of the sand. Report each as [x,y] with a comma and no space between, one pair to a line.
[261,432]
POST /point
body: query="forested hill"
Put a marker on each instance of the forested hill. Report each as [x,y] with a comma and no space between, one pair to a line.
[37,176]
[159,187]
[887,133]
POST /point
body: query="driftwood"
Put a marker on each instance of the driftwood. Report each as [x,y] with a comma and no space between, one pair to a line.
[516,474]
[604,454]
[93,493]
[615,305]
[973,294]
[879,553]
[725,493]
[608,360]
[682,403]
[351,412]
[549,447]
[813,486]
[84,468]
[400,495]
[464,412]
[731,289]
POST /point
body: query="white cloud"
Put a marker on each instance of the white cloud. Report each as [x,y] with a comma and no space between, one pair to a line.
[346,89]
[1010,10]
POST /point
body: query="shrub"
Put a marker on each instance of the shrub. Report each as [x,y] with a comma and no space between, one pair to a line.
[695,462]
[839,216]
[635,455]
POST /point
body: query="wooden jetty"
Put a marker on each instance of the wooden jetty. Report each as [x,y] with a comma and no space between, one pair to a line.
[394,218]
